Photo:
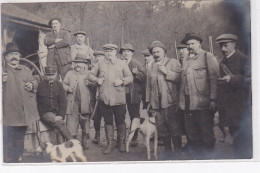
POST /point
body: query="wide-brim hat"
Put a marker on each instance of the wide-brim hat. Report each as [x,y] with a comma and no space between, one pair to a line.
[50,70]
[146,52]
[110,46]
[80,32]
[12,47]
[81,58]
[99,53]
[54,18]
[180,46]
[225,38]
[126,47]
[191,36]
[156,44]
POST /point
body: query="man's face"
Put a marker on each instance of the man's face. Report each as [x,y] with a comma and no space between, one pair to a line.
[158,53]
[228,48]
[183,52]
[51,77]
[148,58]
[110,53]
[13,58]
[79,66]
[80,38]
[99,57]
[193,46]
[127,54]
[55,24]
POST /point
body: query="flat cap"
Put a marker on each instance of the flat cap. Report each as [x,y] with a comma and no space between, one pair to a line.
[99,53]
[156,44]
[79,32]
[180,46]
[54,18]
[126,47]
[50,70]
[110,46]
[225,38]
[146,52]
[191,36]
[81,58]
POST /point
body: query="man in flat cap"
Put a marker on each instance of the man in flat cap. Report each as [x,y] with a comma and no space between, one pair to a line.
[133,90]
[19,103]
[80,47]
[234,101]
[198,96]
[183,52]
[112,75]
[58,44]
[162,95]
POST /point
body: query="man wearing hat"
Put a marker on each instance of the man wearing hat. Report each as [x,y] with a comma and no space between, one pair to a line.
[133,90]
[234,101]
[19,103]
[183,52]
[79,97]
[52,102]
[112,75]
[58,44]
[99,56]
[80,47]
[198,96]
[162,94]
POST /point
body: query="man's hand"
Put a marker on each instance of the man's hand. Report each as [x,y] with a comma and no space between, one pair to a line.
[57,40]
[71,89]
[28,86]
[100,81]
[118,82]
[162,68]
[4,77]
[134,70]
[225,79]
[213,106]
[51,46]
[58,118]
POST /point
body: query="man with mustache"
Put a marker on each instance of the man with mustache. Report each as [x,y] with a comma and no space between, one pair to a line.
[183,52]
[234,101]
[19,103]
[58,44]
[162,95]
[112,75]
[198,96]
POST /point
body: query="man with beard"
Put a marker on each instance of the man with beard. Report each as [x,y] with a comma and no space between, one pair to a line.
[112,75]
[19,103]
[234,101]
[133,90]
[58,44]
[162,94]
[198,96]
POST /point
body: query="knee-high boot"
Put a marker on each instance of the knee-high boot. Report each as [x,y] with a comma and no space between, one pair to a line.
[121,132]
[109,129]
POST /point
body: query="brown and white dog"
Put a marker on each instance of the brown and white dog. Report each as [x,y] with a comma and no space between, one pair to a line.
[148,130]
[70,151]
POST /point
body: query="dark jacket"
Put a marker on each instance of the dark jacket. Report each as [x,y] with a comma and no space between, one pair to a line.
[61,49]
[51,98]
[139,80]
[234,97]
[19,105]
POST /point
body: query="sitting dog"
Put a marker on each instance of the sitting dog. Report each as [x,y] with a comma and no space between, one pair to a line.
[70,151]
[148,130]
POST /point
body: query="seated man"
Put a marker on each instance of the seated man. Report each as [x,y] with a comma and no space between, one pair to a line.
[52,102]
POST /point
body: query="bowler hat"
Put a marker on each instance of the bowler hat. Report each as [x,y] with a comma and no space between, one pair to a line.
[126,47]
[156,44]
[146,52]
[99,53]
[80,58]
[79,32]
[54,18]
[225,38]
[110,46]
[191,36]
[180,46]
[12,47]
[50,70]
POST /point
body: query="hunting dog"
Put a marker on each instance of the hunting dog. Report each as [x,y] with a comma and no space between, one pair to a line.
[148,130]
[70,151]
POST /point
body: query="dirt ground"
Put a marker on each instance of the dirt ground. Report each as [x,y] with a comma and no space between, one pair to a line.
[223,150]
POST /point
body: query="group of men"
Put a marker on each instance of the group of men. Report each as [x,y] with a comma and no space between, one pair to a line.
[183,94]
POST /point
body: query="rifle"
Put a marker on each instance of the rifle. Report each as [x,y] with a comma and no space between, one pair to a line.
[210,45]
[96,104]
[176,50]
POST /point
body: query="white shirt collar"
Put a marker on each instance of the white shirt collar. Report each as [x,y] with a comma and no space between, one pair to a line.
[232,53]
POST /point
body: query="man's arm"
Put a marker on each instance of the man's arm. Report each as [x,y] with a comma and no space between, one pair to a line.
[49,40]
[62,102]
[93,73]
[66,38]
[174,72]
[65,82]
[128,77]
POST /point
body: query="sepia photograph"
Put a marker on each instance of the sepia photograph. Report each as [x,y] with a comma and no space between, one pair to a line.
[126,81]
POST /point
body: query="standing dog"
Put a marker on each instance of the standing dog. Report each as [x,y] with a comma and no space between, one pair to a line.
[70,151]
[148,130]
